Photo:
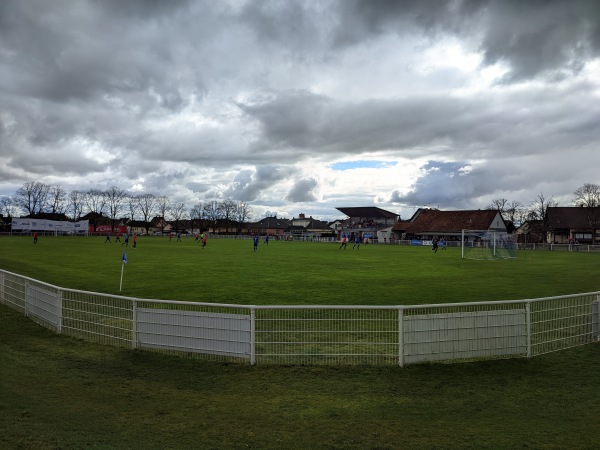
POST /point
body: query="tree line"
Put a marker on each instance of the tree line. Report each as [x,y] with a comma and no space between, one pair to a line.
[587,196]
[35,198]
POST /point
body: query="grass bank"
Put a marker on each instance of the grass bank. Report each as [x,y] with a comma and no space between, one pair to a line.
[58,392]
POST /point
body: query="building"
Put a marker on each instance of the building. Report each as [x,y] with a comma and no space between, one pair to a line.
[368,222]
[531,232]
[565,223]
[429,223]
[271,226]
[308,227]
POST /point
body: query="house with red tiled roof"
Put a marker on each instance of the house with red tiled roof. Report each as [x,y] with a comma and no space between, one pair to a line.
[429,223]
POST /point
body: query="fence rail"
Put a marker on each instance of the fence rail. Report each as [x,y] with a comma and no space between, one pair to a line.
[334,335]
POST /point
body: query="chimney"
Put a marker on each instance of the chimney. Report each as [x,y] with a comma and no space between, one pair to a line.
[301,216]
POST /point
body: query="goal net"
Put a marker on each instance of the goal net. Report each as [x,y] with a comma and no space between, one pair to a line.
[483,244]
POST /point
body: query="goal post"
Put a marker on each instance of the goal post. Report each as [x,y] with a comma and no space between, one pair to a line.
[486,244]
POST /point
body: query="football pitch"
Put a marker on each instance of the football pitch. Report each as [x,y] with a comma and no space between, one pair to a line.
[60,392]
[295,273]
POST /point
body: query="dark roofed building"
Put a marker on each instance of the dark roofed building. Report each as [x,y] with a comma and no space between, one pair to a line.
[308,226]
[531,232]
[362,213]
[368,221]
[272,226]
[572,222]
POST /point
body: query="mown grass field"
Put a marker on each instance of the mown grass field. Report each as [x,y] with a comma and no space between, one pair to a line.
[229,271]
[61,393]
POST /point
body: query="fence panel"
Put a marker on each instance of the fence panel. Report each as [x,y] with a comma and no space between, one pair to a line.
[465,335]
[313,335]
[561,323]
[43,304]
[13,291]
[194,328]
[97,317]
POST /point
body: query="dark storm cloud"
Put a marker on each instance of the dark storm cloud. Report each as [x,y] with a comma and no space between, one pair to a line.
[248,185]
[303,191]
[443,185]
[88,50]
[294,119]
[365,19]
[542,36]
[532,37]
[514,123]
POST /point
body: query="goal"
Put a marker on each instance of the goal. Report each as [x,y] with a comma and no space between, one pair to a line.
[485,244]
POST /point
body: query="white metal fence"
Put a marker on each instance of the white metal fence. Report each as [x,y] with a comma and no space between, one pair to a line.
[334,335]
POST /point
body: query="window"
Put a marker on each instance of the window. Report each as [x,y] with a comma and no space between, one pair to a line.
[583,236]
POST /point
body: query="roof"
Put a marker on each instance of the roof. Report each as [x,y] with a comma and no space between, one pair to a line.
[138,224]
[315,224]
[434,221]
[369,212]
[271,222]
[571,217]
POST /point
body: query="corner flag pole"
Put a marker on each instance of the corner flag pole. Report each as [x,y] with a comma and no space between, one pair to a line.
[124,261]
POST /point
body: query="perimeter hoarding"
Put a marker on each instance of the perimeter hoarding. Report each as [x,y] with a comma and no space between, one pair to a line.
[58,226]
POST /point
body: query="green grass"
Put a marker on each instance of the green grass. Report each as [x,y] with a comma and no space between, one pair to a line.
[228,271]
[61,393]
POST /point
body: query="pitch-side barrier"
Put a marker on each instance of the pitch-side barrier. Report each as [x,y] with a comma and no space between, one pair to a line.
[332,335]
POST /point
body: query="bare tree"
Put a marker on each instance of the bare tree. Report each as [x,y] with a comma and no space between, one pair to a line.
[115,199]
[95,199]
[32,197]
[57,197]
[228,210]
[516,213]
[242,213]
[539,205]
[147,206]
[587,195]
[498,204]
[197,215]
[8,206]
[163,206]
[133,204]
[76,202]
[179,213]
[212,212]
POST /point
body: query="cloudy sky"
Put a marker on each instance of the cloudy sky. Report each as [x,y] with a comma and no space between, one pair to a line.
[303,106]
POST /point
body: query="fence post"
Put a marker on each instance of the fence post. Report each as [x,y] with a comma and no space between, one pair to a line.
[1,286]
[134,325]
[596,318]
[60,311]
[252,336]
[400,337]
[25,302]
[528,325]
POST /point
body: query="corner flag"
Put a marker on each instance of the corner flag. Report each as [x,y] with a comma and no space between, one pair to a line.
[124,261]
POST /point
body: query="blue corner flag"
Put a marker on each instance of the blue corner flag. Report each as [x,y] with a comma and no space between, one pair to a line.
[124,259]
